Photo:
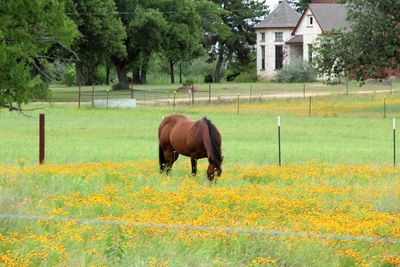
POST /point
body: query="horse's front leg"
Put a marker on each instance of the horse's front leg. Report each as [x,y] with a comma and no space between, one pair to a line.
[194,165]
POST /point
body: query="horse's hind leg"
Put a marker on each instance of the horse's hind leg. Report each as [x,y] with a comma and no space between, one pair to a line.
[170,156]
[194,165]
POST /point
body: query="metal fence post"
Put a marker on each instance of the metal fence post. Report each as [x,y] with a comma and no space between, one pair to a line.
[41,138]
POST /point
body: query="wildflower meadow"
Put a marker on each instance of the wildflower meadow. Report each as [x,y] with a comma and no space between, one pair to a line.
[99,199]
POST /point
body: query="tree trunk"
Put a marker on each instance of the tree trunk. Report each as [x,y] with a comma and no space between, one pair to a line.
[135,76]
[120,67]
[180,72]
[171,70]
[217,72]
[108,70]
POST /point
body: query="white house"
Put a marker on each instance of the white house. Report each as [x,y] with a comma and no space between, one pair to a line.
[285,35]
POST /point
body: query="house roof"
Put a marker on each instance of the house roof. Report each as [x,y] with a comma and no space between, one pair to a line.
[282,17]
[297,39]
[330,16]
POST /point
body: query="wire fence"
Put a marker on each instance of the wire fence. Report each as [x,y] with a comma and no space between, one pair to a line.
[185,227]
[372,100]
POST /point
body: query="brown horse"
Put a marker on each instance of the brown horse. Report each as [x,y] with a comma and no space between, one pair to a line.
[178,134]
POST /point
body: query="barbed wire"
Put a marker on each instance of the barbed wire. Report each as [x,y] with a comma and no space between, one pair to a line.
[185,227]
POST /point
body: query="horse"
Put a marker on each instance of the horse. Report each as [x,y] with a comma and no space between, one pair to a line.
[179,134]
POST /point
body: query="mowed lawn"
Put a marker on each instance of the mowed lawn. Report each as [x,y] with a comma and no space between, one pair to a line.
[337,182]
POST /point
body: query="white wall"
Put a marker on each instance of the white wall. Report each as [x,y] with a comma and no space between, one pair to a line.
[270,44]
[310,33]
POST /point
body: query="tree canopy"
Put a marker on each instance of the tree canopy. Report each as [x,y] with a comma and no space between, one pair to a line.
[28,28]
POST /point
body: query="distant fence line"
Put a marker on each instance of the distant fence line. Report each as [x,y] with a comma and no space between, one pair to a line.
[307,100]
[185,227]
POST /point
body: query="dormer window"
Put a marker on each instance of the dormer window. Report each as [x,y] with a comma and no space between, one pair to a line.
[310,21]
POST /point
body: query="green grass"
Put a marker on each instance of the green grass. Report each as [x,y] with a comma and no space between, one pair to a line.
[86,135]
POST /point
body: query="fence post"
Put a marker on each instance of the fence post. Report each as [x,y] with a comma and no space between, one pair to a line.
[132,93]
[384,107]
[192,93]
[173,104]
[238,103]
[209,93]
[309,107]
[251,91]
[107,97]
[394,142]
[41,138]
[279,141]
[304,90]
[92,95]
[347,87]
[79,96]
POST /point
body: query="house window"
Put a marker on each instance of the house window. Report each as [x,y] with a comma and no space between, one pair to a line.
[278,57]
[279,37]
[262,57]
[263,37]
[310,21]
[310,52]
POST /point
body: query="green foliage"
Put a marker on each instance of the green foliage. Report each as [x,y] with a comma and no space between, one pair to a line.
[330,57]
[101,35]
[208,78]
[235,44]
[27,30]
[297,71]
[69,76]
[246,77]
[375,42]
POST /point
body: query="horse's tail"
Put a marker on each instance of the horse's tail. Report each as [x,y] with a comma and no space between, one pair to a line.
[161,157]
[214,138]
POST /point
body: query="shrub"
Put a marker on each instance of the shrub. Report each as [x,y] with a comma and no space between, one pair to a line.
[297,71]
[231,75]
[208,78]
[69,76]
[246,77]
[119,86]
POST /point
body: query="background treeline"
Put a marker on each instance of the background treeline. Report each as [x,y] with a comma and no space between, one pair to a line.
[134,41]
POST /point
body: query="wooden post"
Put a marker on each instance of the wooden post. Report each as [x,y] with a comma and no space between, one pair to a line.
[173,104]
[304,90]
[41,138]
[92,95]
[209,93]
[251,91]
[132,93]
[79,96]
[309,107]
[238,103]
[384,107]
[192,93]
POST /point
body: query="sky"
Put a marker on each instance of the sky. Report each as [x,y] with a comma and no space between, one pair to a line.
[272,4]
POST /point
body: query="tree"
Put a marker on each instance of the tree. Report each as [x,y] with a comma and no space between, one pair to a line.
[240,16]
[331,54]
[371,45]
[182,40]
[28,28]
[101,35]
[375,42]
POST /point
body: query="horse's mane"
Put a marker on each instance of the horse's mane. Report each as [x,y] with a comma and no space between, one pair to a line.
[214,134]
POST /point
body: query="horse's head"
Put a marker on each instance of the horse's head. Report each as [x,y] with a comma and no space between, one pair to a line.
[214,168]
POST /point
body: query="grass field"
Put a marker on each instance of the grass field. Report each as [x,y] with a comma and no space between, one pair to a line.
[337,180]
